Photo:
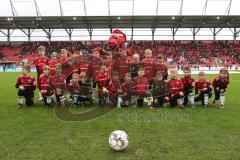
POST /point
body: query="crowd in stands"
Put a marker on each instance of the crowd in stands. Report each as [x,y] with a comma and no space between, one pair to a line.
[193,53]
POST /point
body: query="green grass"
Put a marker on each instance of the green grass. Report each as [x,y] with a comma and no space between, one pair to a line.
[35,133]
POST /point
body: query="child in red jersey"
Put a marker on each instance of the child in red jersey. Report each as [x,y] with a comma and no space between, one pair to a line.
[58,85]
[44,86]
[188,83]
[160,90]
[176,89]
[220,84]
[74,88]
[203,89]
[39,62]
[103,78]
[26,85]
[140,88]
[159,65]
[147,64]
[52,63]
[122,65]
[126,90]
[114,87]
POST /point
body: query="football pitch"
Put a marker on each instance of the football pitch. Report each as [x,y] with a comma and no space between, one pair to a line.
[36,133]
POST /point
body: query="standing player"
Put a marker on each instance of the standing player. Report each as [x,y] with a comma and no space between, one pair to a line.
[159,65]
[44,86]
[26,85]
[203,89]
[52,63]
[147,64]
[176,90]
[188,83]
[220,84]
[39,62]
[135,65]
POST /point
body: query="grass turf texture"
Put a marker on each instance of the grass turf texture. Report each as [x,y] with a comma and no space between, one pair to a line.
[35,133]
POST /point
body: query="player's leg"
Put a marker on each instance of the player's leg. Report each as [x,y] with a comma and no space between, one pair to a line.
[216,96]
[222,98]
[20,98]
[29,98]
[173,101]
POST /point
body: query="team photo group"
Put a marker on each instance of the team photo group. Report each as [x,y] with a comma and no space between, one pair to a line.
[118,78]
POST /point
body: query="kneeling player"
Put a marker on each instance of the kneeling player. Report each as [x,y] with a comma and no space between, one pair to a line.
[140,88]
[26,85]
[220,84]
[176,90]
[126,90]
[85,89]
[188,83]
[203,89]
[57,83]
[160,90]
[74,88]
[43,85]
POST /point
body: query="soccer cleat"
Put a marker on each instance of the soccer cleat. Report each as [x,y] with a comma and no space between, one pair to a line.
[150,107]
[213,104]
[205,105]
[221,107]
[19,105]
[181,106]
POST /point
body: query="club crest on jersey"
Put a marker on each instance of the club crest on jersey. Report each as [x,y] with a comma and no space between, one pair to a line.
[29,80]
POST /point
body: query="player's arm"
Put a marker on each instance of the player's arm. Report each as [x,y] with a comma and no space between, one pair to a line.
[196,88]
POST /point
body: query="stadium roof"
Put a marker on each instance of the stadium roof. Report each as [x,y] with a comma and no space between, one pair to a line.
[71,22]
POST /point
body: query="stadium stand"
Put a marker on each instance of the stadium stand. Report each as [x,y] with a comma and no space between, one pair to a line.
[204,53]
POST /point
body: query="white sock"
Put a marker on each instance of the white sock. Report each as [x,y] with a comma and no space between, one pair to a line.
[205,99]
[134,101]
[191,98]
[222,98]
[181,101]
[119,101]
[62,100]
[49,100]
[149,101]
[20,99]
[40,95]
[75,98]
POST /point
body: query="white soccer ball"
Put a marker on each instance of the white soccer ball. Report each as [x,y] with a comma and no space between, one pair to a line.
[118,140]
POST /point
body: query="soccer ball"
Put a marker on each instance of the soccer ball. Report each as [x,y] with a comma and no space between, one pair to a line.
[118,140]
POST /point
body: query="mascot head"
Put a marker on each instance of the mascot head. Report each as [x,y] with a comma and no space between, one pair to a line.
[116,39]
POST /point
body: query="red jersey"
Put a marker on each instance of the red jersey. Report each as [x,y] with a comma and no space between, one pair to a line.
[160,67]
[52,64]
[126,87]
[122,65]
[200,85]
[83,66]
[188,83]
[73,87]
[222,83]
[43,83]
[66,68]
[114,86]
[140,84]
[58,81]
[39,62]
[94,67]
[148,66]
[103,78]
[175,86]
[28,83]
